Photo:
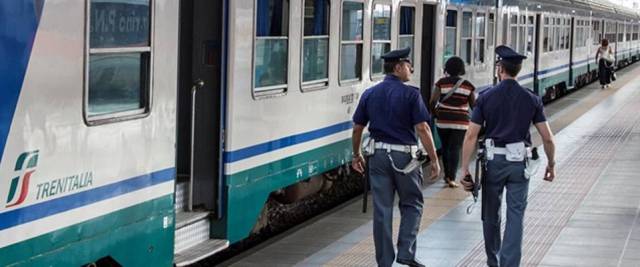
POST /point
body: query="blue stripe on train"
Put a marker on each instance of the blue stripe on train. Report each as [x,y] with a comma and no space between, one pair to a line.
[45,209]
[18,25]
[243,153]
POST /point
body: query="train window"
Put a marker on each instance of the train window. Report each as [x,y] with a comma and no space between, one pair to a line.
[466,37]
[556,35]
[562,29]
[271,51]
[620,28]
[530,37]
[545,36]
[628,32]
[118,61]
[513,35]
[315,45]
[407,28]
[521,37]
[381,41]
[450,34]
[597,35]
[490,29]
[478,54]
[567,35]
[635,32]
[578,34]
[351,42]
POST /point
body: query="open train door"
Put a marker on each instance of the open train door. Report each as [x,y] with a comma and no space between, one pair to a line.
[199,129]
[571,84]
[427,59]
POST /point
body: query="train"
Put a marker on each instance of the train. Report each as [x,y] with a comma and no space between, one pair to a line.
[152,132]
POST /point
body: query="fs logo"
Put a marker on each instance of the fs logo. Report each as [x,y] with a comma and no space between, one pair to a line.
[26,163]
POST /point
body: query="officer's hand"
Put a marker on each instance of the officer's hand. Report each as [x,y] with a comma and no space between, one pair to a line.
[435,169]
[465,184]
[358,164]
[550,173]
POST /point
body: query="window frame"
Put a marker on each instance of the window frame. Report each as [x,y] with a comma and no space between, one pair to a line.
[349,82]
[147,96]
[530,28]
[413,36]
[491,20]
[545,34]
[320,84]
[455,28]
[273,90]
[511,25]
[477,38]
[373,41]
[471,38]
[556,34]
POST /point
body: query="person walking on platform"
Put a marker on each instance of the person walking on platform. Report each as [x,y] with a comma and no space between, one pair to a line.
[450,102]
[395,112]
[506,111]
[605,58]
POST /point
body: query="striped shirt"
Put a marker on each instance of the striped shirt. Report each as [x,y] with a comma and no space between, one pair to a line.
[453,113]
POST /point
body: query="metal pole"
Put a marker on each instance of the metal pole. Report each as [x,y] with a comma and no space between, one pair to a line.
[196,85]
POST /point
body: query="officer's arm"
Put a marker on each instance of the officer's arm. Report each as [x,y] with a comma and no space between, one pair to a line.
[547,140]
[469,145]
[424,132]
[357,138]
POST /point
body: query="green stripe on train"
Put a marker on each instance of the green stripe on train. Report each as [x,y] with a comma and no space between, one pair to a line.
[248,190]
[132,236]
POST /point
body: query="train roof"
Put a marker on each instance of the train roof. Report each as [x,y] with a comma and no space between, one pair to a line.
[598,8]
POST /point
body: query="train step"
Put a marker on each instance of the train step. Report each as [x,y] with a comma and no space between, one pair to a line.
[192,230]
[199,252]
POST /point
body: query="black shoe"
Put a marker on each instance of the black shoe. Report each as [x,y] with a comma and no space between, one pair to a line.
[412,263]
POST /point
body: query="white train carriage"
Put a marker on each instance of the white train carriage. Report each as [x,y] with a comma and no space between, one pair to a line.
[87,132]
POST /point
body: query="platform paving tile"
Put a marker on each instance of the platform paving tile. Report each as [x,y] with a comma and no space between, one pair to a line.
[582,261]
[629,263]
[602,251]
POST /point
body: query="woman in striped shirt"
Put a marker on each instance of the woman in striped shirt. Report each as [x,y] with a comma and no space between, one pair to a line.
[452,113]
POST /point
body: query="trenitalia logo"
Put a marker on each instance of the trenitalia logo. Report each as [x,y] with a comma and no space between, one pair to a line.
[26,163]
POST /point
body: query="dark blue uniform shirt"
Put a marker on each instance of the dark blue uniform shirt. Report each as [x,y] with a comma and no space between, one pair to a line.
[392,109]
[508,110]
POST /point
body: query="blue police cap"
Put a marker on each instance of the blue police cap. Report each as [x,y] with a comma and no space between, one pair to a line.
[507,54]
[397,55]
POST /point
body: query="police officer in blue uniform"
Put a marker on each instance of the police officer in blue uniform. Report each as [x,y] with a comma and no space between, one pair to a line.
[507,111]
[395,112]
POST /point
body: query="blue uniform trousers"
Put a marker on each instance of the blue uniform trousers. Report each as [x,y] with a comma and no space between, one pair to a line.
[500,174]
[385,181]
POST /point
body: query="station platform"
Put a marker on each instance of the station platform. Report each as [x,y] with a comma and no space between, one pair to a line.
[588,216]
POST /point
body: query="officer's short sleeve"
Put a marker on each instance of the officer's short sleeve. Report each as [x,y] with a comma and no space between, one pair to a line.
[538,116]
[476,115]
[360,116]
[419,111]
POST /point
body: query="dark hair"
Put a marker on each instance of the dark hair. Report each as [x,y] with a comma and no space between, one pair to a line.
[389,66]
[605,42]
[510,68]
[454,66]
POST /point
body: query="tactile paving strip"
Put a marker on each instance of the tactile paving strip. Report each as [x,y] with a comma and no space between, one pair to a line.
[363,253]
[551,205]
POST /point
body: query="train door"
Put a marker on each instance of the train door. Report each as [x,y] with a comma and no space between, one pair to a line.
[199,127]
[200,94]
[427,73]
[571,53]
